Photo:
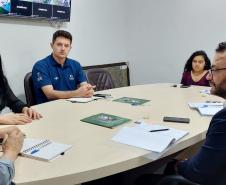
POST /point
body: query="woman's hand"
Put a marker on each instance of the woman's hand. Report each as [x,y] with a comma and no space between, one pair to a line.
[31,113]
[15,119]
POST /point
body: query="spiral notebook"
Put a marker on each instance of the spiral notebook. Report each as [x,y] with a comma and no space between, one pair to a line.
[43,149]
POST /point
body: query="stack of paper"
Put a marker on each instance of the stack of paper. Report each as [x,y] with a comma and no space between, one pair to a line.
[83,100]
[207,109]
[205,91]
[140,136]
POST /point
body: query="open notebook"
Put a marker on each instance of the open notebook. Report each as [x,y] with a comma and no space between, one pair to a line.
[140,136]
[43,149]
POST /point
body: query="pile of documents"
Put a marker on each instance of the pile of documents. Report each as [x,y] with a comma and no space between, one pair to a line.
[207,108]
[151,137]
[83,100]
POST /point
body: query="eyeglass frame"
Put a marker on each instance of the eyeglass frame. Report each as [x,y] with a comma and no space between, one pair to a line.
[212,70]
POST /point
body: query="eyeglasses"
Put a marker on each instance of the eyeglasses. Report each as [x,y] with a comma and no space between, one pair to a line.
[213,70]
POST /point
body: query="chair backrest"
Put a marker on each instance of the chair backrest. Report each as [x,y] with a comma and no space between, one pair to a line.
[101,78]
[29,89]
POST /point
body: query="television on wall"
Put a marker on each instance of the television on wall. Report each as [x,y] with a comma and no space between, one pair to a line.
[55,10]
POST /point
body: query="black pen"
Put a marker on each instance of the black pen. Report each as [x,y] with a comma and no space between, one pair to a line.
[158,130]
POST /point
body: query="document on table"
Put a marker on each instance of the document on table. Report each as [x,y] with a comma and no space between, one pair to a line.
[151,137]
[83,100]
[194,105]
[205,91]
[207,109]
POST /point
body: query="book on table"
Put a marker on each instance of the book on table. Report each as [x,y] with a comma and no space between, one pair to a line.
[105,120]
[43,149]
[132,101]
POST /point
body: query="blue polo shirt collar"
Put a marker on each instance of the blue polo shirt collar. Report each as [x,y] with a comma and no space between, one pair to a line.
[54,62]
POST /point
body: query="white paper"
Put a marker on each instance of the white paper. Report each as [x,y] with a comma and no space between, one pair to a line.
[139,136]
[196,105]
[205,91]
[209,110]
[84,100]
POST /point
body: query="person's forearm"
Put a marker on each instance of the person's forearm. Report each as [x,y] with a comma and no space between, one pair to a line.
[6,172]
[3,120]
[10,155]
[62,94]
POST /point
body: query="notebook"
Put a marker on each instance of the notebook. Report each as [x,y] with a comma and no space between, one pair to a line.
[105,120]
[140,136]
[43,149]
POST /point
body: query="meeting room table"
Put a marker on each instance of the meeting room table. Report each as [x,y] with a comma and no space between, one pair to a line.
[93,154]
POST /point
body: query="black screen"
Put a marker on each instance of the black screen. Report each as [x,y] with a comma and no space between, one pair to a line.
[48,9]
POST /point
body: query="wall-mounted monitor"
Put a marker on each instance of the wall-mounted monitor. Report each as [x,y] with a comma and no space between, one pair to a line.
[58,10]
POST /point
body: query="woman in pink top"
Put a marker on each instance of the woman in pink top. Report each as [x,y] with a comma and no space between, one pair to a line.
[196,69]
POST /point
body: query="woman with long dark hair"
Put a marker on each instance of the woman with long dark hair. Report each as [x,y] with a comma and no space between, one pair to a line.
[22,113]
[196,69]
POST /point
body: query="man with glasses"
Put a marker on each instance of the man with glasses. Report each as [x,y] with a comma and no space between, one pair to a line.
[208,166]
[217,74]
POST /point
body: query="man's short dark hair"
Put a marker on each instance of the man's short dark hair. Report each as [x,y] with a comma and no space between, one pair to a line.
[61,33]
[221,47]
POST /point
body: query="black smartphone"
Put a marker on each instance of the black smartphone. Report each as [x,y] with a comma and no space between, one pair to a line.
[184,86]
[176,119]
[102,95]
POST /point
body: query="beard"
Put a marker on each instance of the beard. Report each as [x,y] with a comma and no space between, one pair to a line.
[220,89]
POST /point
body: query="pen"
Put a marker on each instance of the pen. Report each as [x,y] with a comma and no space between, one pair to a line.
[34,151]
[158,130]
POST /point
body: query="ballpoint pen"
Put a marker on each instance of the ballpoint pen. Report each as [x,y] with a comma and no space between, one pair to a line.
[34,151]
[159,130]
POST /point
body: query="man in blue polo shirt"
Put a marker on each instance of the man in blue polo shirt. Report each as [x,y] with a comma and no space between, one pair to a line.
[58,77]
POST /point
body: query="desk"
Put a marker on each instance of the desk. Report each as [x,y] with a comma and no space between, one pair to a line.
[93,154]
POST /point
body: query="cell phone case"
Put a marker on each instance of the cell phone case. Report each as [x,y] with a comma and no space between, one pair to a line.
[176,119]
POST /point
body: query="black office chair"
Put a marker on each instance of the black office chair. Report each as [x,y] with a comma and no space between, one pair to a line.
[175,180]
[29,90]
[101,78]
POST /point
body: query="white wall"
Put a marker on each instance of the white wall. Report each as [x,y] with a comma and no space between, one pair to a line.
[97,26]
[162,35]
[156,36]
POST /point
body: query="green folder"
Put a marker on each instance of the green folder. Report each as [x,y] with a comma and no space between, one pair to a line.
[105,120]
[132,101]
